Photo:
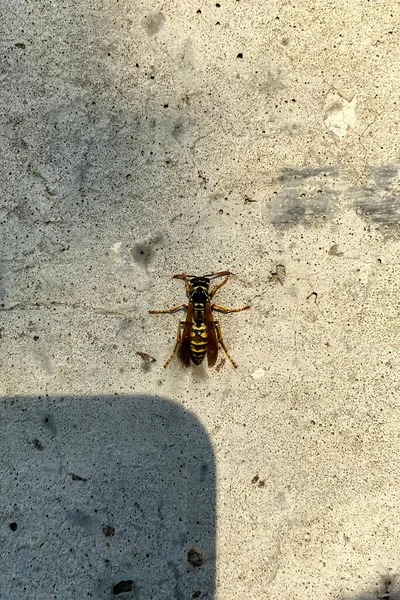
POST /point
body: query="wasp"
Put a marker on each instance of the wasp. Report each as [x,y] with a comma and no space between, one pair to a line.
[200,333]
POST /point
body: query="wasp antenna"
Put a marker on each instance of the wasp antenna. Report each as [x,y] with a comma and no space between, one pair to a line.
[219,274]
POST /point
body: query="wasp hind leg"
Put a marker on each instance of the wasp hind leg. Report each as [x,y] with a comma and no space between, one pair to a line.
[178,341]
[168,310]
[221,341]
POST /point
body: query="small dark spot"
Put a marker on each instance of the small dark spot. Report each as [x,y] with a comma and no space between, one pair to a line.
[221,212]
[261,483]
[129,177]
[20,45]
[379,261]
[165,105]
[240,55]
[198,12]
[195,558]
[255,479]
[122,587]
[108,531]
[36,337]
[217,5]
[146,357]
[78,478]
[13,526]
[248,200]
[196,594]
[37,444]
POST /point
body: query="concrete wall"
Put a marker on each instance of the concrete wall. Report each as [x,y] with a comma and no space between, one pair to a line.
[141,140]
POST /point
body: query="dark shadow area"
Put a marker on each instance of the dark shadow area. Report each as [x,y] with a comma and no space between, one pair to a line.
[387,587]
[105,497]
[374,595]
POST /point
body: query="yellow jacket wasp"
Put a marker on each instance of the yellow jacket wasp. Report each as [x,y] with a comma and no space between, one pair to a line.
[201,333]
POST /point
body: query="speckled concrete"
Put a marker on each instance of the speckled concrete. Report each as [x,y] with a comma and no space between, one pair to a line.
[140,141]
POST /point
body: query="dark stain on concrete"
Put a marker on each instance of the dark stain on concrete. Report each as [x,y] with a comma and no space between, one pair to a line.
[379,200]
[143,252]
[153,23]
[308,198]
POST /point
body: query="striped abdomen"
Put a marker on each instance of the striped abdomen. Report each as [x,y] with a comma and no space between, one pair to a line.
[198,342]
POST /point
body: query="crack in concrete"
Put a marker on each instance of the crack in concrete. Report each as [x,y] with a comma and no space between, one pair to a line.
[76,305]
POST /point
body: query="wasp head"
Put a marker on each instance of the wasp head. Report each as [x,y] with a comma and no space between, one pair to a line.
[199,289]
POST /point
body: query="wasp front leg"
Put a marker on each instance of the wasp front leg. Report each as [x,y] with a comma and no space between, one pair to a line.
[221,341]
[168,310]
[228,310]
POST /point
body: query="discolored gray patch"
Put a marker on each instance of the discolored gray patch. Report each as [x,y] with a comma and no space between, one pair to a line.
[379,199]
[80,519]
[385,176]
[143,252]
[308,198]
[385,211]
[43,359]
[178,130]
[153,23]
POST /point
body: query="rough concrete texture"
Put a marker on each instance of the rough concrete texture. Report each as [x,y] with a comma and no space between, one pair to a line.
[141,140]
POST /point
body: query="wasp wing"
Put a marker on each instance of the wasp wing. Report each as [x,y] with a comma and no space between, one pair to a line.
[184,350]
[212,342]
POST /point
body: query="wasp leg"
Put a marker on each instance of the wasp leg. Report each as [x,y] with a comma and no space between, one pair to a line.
[216,287]
[178,341]
[169,310]
[228,310]
[184,277]
[221,341]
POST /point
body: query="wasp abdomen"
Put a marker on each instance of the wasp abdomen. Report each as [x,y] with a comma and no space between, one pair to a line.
[198,342]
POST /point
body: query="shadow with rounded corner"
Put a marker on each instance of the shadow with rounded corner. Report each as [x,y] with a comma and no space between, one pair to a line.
[105,497]
[387,588]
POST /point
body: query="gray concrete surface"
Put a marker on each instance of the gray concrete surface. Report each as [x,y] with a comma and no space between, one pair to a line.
[139,140]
